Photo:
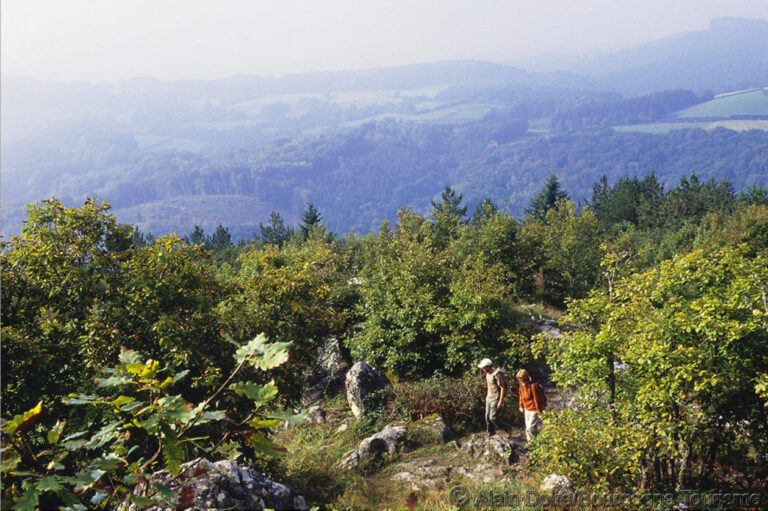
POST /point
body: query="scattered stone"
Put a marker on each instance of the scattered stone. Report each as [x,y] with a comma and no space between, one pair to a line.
[315,415]
[556,484]
[361,381]
[387,442]
[327,375]
[223,485]
[620,367]
[345,424]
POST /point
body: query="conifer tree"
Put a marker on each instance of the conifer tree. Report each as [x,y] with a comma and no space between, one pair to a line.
[311,217]
[546,198]
[220,239]
[197,236]
[276,232]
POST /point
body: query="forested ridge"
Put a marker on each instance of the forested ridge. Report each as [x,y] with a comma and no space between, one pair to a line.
[156,351]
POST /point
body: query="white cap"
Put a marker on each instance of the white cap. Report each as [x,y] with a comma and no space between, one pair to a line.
[486,362]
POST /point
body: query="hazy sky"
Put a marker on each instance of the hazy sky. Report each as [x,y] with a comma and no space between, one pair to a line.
[169,39]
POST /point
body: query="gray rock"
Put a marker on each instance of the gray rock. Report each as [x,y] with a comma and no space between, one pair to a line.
[315,415]
[361,381]
[386,442]
[620,367]
[345,424]
[556,484]
[496,449]
[327,375]
[483,472]
[425,473]
[431,428]
[224,485]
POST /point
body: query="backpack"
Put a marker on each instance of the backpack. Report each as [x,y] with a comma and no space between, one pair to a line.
[503,377]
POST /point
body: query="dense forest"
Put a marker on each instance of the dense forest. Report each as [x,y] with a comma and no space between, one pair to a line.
[156,351]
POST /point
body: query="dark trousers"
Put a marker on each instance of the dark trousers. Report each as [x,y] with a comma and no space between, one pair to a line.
[492,419]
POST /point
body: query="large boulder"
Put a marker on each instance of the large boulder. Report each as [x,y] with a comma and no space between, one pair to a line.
[223,485]
[386,442]
[361,381]
[327,375]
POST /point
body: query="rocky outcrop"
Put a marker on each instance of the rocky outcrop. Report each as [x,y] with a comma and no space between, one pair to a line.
[362,380]
[494,449]
[386,442]
[327,375]
[555,484]
[222,485]
[420,474]
[431,428]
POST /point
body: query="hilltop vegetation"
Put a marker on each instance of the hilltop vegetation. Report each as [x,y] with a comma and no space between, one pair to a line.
[669,284]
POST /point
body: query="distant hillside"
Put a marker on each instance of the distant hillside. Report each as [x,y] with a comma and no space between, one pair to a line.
[732,54]
[362,144]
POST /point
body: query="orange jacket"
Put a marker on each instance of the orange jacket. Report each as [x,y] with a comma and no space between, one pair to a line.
[531,397]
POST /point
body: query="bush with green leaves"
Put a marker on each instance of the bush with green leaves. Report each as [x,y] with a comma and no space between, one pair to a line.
[138,427]
[74,293]
[298,293]
[692,333]
[434,299]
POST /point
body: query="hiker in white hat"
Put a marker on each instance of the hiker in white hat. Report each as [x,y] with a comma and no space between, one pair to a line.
[497,389]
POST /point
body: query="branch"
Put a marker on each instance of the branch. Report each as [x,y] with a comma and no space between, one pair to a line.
[153,458]
[211,398]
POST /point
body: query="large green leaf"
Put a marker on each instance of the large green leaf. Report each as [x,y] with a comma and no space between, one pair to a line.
[260,394]
[23,420]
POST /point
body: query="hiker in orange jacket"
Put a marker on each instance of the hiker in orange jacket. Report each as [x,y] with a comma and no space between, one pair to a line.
[532,402]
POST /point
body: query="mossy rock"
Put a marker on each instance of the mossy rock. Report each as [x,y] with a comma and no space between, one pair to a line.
[431,429]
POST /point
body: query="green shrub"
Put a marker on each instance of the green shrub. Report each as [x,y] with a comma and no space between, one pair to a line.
[138,427]
[588,449]
[460,401]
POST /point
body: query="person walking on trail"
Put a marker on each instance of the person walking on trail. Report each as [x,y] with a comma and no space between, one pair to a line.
[532,402]
[494,399]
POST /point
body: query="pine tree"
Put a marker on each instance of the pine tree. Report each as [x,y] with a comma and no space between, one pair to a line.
[220,239]
[276,232]
[310,218]
[449,204]
[197,236]
[546,198]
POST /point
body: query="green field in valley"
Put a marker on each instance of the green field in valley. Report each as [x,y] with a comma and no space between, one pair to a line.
[752,103]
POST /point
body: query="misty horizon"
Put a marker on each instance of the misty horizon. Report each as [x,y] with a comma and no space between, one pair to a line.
[90,42]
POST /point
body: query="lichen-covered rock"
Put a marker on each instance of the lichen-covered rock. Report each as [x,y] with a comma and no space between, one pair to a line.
[496,449]
[431,428]
[327,375]
[426,473]
[482,472]
[556,484]
[224,485]
[361,381]
[387,442]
